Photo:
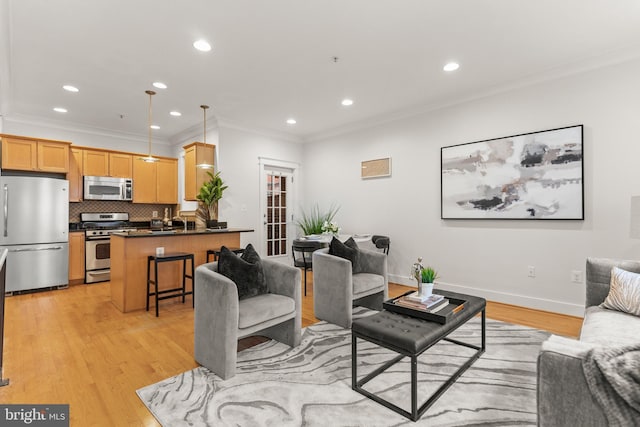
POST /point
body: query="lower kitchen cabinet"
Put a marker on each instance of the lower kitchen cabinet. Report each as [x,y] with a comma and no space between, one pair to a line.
[76,257]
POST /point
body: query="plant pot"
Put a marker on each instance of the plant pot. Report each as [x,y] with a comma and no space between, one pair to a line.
[212,223]
[425,289]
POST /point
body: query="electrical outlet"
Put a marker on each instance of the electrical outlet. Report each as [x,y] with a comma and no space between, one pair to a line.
[154,214]
[576,276]
[531,271]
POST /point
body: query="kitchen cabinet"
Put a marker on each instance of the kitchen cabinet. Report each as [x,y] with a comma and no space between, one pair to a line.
[76,257]
[107,163]
[75,175]
[155,182]
[31,154]
[144,181]
[120,165]
[167,181]
[197,153]
[95,163]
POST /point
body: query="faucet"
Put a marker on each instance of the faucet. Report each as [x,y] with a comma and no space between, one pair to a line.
[183,219]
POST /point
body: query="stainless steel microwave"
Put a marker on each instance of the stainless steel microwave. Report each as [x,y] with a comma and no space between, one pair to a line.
[107,188]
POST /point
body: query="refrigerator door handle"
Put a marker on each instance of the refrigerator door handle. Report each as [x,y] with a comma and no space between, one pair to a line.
[6,209]
[51,248]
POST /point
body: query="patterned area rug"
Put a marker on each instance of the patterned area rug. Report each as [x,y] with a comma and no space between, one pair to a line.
[310,385]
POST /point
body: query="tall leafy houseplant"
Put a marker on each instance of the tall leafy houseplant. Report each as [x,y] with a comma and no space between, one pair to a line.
[209,195]
[311,222]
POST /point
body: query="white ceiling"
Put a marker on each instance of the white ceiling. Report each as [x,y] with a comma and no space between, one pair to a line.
[272,60]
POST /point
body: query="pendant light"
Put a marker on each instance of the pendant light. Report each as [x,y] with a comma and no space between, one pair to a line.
[204,164]
[149,158]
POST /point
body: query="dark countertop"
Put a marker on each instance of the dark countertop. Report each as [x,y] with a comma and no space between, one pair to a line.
[180,232]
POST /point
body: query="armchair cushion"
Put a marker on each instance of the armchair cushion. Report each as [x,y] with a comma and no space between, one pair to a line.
[245,271]
[624,293]
[347,250]
[263,308]
[366,283]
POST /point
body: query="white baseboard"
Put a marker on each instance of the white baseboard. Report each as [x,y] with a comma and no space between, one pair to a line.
[503,297]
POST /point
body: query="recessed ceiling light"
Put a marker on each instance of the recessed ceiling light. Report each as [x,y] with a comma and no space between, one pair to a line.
[154,127]
[202,45]
[70,88]
[175,113]
[346,102]
[160,85]
[60,110]
[291,121]
[451,66]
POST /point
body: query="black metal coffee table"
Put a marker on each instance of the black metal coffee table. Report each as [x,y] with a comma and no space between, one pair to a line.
[410,337]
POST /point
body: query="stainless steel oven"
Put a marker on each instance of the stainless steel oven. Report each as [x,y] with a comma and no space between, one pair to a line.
[98,229]
[97,257]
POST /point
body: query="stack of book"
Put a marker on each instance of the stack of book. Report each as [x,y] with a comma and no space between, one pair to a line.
[431,304]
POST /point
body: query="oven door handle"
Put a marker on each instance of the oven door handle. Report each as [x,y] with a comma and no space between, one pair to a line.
[98,273]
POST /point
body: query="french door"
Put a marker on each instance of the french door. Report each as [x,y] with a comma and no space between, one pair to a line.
[277,212]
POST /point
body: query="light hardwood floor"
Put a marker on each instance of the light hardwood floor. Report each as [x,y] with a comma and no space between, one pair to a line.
[73,346]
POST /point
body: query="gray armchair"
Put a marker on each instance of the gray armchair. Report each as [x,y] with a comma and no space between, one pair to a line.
[564,398]
[221,319]
[336,289]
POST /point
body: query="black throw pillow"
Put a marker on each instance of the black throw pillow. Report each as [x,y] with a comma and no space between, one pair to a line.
[245,271]
[348,250]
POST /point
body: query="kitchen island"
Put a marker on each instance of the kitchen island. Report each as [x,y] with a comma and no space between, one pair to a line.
[129,252]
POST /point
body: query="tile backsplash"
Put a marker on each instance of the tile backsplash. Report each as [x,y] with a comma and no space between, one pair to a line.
[136,211]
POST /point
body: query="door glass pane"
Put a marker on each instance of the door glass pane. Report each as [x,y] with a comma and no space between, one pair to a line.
[276,213]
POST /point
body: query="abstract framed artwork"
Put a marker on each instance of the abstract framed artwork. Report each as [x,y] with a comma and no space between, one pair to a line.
[537,175]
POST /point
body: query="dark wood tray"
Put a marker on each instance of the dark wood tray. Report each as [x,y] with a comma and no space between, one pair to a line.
[455,306]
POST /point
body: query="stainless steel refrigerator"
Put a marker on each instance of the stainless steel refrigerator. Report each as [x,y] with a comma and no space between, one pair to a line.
[34,227]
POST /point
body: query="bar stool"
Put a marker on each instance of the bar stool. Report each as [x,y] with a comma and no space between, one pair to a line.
[216,252]
[173,292]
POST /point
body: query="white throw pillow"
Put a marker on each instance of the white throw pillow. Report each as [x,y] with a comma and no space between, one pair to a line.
[624,294]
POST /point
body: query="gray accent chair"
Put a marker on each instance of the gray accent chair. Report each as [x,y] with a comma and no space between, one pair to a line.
[336,289]
[221,319]
[563,394]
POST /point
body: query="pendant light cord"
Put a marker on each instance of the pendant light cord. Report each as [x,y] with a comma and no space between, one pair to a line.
[204,112]
[150,93]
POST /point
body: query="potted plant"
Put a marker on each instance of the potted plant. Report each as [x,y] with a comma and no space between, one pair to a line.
[425,277]
[208,198]
[314,221]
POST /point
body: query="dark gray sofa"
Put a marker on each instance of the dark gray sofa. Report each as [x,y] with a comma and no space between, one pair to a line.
[563,394]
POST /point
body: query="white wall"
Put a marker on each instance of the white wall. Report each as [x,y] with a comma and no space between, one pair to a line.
[238,160]
[489,257]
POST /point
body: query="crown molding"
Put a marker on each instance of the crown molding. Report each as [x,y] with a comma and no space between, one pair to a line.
[270,133]
[81,128]
[619,56]
[192,132]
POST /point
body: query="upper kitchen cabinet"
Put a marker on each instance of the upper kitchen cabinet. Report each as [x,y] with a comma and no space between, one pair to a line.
[75,175]
[198,159]
[95,163]
[36,155]
[167,181]
[107,163]
[155,182]
[120,165]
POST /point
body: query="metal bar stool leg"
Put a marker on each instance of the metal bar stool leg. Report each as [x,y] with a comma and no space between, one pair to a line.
[148,279]
[305,281]
[184,279]
[157,286]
